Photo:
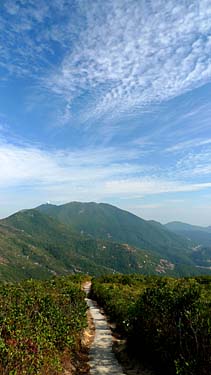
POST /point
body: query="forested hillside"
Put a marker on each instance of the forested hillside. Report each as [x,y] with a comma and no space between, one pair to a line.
[109,222]
[35,245]
[200,235]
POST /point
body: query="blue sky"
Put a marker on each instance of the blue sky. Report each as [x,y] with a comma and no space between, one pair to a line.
[107,101]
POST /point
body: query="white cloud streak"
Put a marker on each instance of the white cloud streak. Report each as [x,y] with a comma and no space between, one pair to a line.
[195,164]
[123,55]
[132,54]
[31,175]
[190,144]
[28,165]
[101,60]
[103,173]
[150,186]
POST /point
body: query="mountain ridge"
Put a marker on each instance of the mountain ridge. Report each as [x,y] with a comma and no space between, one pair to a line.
[198,234]
[42,247]
[179,225]
[110,222]
[92,238]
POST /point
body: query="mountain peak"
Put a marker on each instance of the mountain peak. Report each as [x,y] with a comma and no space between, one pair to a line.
[102,220]
[95,238]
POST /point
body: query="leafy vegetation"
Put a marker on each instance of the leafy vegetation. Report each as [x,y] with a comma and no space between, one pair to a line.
[35,245]
[110,222]
[40,324]
[164,320]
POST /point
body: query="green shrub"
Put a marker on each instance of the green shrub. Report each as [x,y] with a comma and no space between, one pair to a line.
[38,322]
[165,320]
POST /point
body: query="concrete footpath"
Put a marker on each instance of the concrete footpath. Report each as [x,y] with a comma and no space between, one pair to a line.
[101,358]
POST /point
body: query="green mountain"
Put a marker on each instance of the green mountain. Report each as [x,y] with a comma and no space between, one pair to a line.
[35,245]
[200,235]
[91,238]
[108,222]
[21,256]
[177,226]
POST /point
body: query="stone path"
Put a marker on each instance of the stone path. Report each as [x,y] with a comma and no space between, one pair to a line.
[101,358]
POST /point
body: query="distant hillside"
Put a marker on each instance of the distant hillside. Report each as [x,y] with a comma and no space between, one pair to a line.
[35,245]
[108,222]
[179,226]
[200,235]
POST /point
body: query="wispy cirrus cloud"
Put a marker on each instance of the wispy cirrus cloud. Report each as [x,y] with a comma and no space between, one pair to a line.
[28,165]
[34,34]
[31,175]
[149,186]
[190,144]
[108,70]
[123,55]
[101,173]
[195,164]
[132,54]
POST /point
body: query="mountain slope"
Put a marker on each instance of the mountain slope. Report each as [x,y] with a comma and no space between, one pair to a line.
[200,235]
[22,257]
[35,245]
[180,226]
[108,222]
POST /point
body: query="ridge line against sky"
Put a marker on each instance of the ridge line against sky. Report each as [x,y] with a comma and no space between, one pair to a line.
[109,103]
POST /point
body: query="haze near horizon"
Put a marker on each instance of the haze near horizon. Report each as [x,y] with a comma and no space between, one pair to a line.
[107,102]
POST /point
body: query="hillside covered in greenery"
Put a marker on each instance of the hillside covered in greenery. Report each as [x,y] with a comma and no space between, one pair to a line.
[200,235]
[35,245]
[109,222]
[105,221]
[38,245]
